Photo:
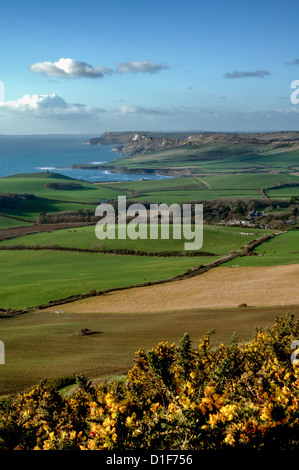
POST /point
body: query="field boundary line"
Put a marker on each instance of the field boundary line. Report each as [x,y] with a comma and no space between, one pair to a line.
[195,271]
[116,251]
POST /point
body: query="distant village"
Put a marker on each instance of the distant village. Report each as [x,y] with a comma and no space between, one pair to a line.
[255,219]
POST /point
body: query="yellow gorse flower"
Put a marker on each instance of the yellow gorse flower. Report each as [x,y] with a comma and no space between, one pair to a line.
[155,407]
[227,412]
[258,395]
[229,439]
[213,418]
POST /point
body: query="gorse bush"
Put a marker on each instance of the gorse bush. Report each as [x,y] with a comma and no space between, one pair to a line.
[240,395]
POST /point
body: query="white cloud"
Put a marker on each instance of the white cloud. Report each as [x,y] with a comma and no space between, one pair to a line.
[49,106]
[126,109]
[257,74]
[140,66]
[69,68]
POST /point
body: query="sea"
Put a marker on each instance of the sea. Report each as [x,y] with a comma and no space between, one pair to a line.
[21,154]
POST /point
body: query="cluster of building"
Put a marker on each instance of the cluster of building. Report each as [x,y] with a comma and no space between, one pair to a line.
[250,221]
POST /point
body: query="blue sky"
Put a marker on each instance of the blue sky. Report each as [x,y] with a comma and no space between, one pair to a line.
[96,66]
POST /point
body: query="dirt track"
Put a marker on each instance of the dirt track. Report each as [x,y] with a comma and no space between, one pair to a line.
[14,232]
[219,288]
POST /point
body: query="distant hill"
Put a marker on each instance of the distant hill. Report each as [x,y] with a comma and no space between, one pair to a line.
[133,142]
[202,153]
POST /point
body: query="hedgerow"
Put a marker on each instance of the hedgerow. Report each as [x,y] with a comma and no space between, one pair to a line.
[243,395]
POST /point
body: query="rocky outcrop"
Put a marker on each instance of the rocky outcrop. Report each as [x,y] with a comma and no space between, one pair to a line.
[134,143]
[112,138]
[148,171]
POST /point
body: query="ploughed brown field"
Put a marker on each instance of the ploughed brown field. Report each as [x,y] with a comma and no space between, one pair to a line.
[222,287]
[15,232]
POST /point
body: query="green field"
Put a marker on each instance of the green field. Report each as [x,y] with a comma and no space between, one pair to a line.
[31,209]
[214,158]
[170,190]
[197,157]
[245,182]
[283,249]
[171,197]
[5,222]
[191,183]
[205,188]
[35,183]
[33,278]
[283,193]
[217,171]
[53,200]
[216,240]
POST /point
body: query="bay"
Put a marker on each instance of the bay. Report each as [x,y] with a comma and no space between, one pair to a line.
[57,153]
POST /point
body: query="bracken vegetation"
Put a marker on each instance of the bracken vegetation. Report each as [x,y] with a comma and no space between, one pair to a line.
[240,395]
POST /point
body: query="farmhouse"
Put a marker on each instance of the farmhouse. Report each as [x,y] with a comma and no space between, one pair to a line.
[243,223]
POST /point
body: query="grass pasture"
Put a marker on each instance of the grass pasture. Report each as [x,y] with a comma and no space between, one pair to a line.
[193,156]
[35,183]
[209,187]
[245,181]
[217,240]
[168,191]
[191,183]
[49,199]
[215,158]
[42,345]
[280,250]
[32,208]
[6,222]
[283,193]
[281,159]
[30,278]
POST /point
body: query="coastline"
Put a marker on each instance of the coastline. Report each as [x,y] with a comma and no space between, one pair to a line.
[65,155]
[144,171]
